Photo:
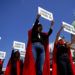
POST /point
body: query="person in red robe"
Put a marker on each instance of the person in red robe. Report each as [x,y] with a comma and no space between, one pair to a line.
[14,65]
[37,61]
[62,60]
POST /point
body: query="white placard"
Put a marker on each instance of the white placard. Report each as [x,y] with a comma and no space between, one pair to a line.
[68,28]
[22,53]
[2,55]
[45,14]
[19,46]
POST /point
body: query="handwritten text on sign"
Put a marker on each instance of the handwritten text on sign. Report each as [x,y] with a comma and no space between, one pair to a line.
[45,14]
[19,46]
[68,28]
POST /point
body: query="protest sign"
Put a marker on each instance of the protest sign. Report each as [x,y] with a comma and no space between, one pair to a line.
[68,28]
[45,14]
[19,46]
[2,55]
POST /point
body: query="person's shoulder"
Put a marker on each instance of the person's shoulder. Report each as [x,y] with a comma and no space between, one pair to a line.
[30,30]
[44,33]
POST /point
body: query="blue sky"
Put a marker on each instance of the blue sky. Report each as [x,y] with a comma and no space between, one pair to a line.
[17,17]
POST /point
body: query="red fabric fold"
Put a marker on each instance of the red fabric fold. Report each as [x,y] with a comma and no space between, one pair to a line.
[18,67]
[1,62]
[9,67]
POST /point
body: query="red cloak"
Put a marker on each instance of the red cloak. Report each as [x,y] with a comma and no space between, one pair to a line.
[9,66]
[29,64]
[54,64]
[1,62]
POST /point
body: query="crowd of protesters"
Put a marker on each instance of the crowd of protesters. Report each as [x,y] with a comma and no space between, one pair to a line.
[37,58]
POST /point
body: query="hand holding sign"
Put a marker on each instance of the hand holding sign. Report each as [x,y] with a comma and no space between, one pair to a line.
[38,16]
[52,23]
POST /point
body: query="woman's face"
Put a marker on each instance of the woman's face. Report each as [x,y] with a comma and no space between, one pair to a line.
[40,29]
[61,41]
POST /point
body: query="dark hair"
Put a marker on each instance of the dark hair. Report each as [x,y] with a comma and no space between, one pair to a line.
[40,25]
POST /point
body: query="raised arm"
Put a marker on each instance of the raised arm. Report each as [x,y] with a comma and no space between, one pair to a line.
[58,34]
[69,45]
[51,28]
[36,21]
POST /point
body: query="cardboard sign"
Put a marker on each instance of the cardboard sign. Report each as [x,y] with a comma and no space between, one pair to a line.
[19,46]
[45,14]
[2,55]
[68,28]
